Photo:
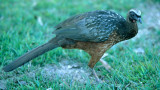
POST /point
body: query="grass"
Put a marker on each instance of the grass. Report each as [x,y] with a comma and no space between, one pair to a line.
[20,32]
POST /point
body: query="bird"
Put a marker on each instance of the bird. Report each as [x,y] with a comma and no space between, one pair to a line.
[94,32]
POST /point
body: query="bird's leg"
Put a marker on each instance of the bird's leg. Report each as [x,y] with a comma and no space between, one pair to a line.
[105,64]
[94,73]
[91,64]
[94,59]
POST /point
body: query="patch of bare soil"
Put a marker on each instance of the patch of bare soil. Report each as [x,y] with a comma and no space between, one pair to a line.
[68,70]
[2,84]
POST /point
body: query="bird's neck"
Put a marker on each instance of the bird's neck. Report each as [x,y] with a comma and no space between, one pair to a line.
[131,29]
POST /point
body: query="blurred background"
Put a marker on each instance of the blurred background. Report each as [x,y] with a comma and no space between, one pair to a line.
[26,24]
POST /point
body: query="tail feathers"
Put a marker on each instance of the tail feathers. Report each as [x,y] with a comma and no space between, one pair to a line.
[29,56]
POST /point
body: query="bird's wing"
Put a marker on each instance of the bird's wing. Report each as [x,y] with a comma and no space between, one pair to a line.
[92,26]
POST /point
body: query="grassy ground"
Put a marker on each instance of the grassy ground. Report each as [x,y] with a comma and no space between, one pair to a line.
[25,24]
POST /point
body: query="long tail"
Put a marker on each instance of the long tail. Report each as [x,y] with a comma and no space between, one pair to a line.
[30,55]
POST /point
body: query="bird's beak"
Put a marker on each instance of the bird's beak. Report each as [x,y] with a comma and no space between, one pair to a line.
[140,20]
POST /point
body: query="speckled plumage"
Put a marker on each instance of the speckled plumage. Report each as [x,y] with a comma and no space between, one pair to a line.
[92,26]
[94,32]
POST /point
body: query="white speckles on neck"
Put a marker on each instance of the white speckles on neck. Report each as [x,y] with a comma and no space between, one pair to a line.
[102,23]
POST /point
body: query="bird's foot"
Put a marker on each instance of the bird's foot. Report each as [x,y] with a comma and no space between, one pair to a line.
[95,75]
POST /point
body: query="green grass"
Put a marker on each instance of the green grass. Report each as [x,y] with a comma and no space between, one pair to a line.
[20,32]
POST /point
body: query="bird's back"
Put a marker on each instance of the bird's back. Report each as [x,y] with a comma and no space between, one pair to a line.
[93,26]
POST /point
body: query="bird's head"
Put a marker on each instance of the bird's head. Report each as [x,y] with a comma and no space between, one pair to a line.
[134,16]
